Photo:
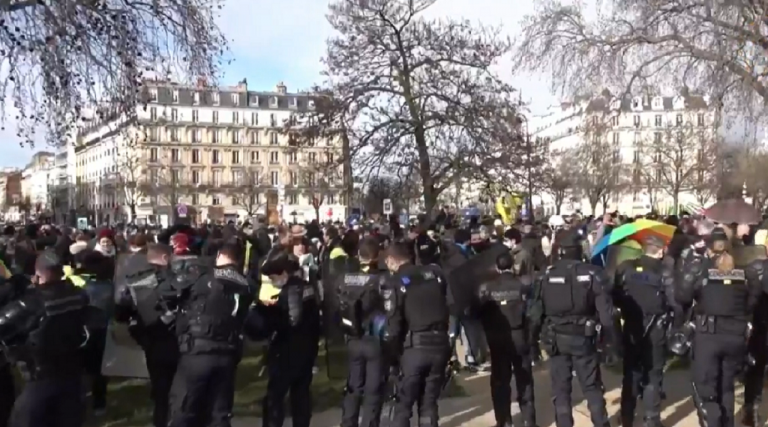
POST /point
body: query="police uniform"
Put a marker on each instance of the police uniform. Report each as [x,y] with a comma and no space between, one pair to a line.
[151,321]
[502,313]
[724,303]
[569,301]
[209,327]
[758,351]
[362,313]
[644,291]
[292,354]
[44,332]
[418,298]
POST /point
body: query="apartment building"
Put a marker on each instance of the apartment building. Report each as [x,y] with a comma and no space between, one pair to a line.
[627,125]
[218,153]
[36,180]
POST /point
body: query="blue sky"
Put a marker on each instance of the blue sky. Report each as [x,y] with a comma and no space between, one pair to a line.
[275,41]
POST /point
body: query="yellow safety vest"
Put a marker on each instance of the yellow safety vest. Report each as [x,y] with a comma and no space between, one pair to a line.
[68,271]
[247,256]
[79,280]
[337,253]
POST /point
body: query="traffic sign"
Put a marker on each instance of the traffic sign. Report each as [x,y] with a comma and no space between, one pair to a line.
[181,209]
[387,206]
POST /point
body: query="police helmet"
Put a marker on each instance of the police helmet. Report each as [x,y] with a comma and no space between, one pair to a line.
[678,344]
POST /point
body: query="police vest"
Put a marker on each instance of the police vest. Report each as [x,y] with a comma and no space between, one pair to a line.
[101,298]
[425,305]
[723,294]
[565,292]
[214,317]
[508,299]
[359,300]
[143,290]
[645,291]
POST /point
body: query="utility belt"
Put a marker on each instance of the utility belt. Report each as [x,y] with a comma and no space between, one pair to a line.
[724,325]
[426,339]
[581,326]
[189,344]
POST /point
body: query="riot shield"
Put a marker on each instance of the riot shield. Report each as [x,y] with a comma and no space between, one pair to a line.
[745,255]
[123,357]
[465,279]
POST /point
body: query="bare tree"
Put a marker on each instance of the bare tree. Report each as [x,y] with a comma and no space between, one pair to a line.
[676,159]
[131,173]
[318,182]
[601,177]
[421,90]
[751,172]
[166,183]
[714,46]
[560,177]
[248,192]
[63,56]
[380,189]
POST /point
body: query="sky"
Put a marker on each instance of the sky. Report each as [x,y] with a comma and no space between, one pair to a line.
[273,41]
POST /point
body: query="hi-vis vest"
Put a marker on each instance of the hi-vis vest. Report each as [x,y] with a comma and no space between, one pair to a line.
[5,272]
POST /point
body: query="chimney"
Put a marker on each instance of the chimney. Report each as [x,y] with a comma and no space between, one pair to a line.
[201,82]
[242,86]
[281,89]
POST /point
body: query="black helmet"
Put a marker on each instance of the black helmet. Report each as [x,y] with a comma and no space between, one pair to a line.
[679,342]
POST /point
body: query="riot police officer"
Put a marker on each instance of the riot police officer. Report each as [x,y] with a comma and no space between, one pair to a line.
[502,313]
[44,332]
[757,345]
[644,291]
[209,327]
[569,301]
[416,297]
[138,302]
[294,343]
[362,309]
[725,299]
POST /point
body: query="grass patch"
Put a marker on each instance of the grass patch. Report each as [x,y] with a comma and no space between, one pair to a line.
[129,405]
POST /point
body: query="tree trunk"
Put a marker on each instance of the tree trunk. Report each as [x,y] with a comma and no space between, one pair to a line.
[676,201]
[317,213]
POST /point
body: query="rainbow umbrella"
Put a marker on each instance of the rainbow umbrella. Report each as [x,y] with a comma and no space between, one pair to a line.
[637,231]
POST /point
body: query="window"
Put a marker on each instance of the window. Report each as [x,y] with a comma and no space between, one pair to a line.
[637,120]
[657,138]
[637,139]
[195,177]
[195,116]
[153,134]
[235,201]
[679,119]
[153,176]
[330,199]
[273,138]
[329,157]
[215,158]
[175,155]
[215,98]
[274,178]
[255,178]
[196,135]
[215,200]
[272,120]
[274,158]
[311,179]
[293,157]
[195,200]
[216,136]
[235,117]
[255,138]
[175,176]
[293,199]
[254,157]
[174,115]
[312,157]
[294,178]
[215,117]
[235,100]
[273,101]
[153,154]
[615,138]
[657,120]
[153,114]
[196,98]
[235,137]
[700,119]
[237,177]
[175,96]
[174,134]
[254,119]
[153,95]
[195,156]
[235,157]
[216,178]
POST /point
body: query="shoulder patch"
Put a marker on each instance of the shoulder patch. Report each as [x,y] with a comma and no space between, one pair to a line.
[356,279]
[553,279]
[583,278]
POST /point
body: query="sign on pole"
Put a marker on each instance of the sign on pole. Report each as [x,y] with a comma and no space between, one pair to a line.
[181,209]
[387,206]
[82,223]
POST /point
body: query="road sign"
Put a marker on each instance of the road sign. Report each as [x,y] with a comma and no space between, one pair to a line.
[181,209]
[82,223]
[387,206]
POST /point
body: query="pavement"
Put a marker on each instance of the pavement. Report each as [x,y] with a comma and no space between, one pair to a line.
[476,410]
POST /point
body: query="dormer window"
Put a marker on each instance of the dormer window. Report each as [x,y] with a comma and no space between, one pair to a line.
[255,101]
[657,103]
[637,103]
[153,95]
[196,98]
[273,101]
[215,98]
[175,96]
[293,103]
[235,99]
[615,104]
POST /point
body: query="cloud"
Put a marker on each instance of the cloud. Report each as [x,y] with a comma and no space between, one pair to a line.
[284,41]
